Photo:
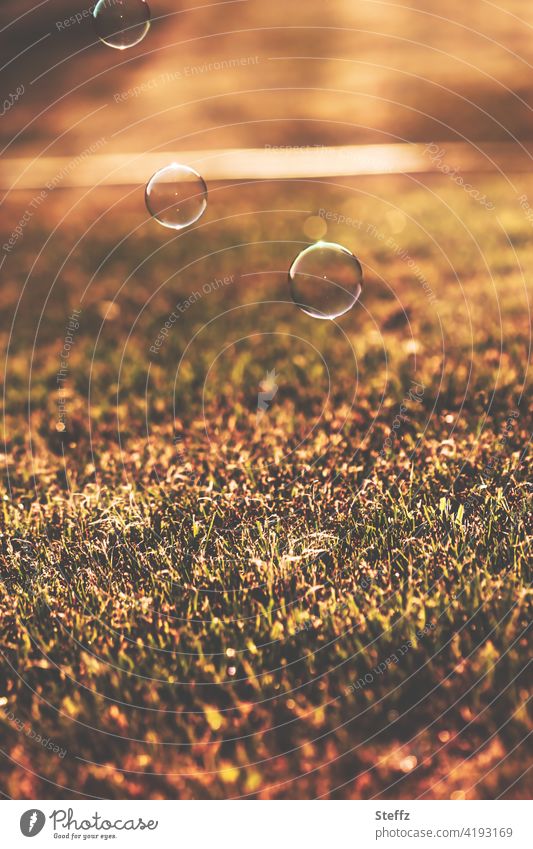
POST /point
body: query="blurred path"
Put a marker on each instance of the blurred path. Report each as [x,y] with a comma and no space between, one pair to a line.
[95,169]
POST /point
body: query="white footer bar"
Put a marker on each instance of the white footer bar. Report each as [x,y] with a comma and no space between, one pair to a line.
[268,825]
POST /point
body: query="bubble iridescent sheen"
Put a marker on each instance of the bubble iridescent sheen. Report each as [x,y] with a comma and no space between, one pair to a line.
[176,196]
[325,280]
[121,23]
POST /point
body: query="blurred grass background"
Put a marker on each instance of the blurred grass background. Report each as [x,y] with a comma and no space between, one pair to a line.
[328,73]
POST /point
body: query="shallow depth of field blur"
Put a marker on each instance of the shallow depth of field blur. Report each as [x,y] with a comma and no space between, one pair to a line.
[206,594]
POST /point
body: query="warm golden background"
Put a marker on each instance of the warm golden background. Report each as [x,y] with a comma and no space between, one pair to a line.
[188,590]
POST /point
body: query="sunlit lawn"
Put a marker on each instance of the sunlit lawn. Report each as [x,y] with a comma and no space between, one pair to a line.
[189,588]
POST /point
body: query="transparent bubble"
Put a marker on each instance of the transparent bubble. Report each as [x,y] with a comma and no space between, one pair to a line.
[176,196]
[121,23]
[325,280]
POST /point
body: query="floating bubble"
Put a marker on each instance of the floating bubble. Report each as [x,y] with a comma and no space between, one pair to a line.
[176,196]
[325,280]
[121,23]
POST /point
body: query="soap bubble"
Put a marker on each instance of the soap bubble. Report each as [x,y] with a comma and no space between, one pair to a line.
[325,280]
[176,196]
[121,23]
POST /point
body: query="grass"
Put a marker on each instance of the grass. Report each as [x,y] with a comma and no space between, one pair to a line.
[197,601]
